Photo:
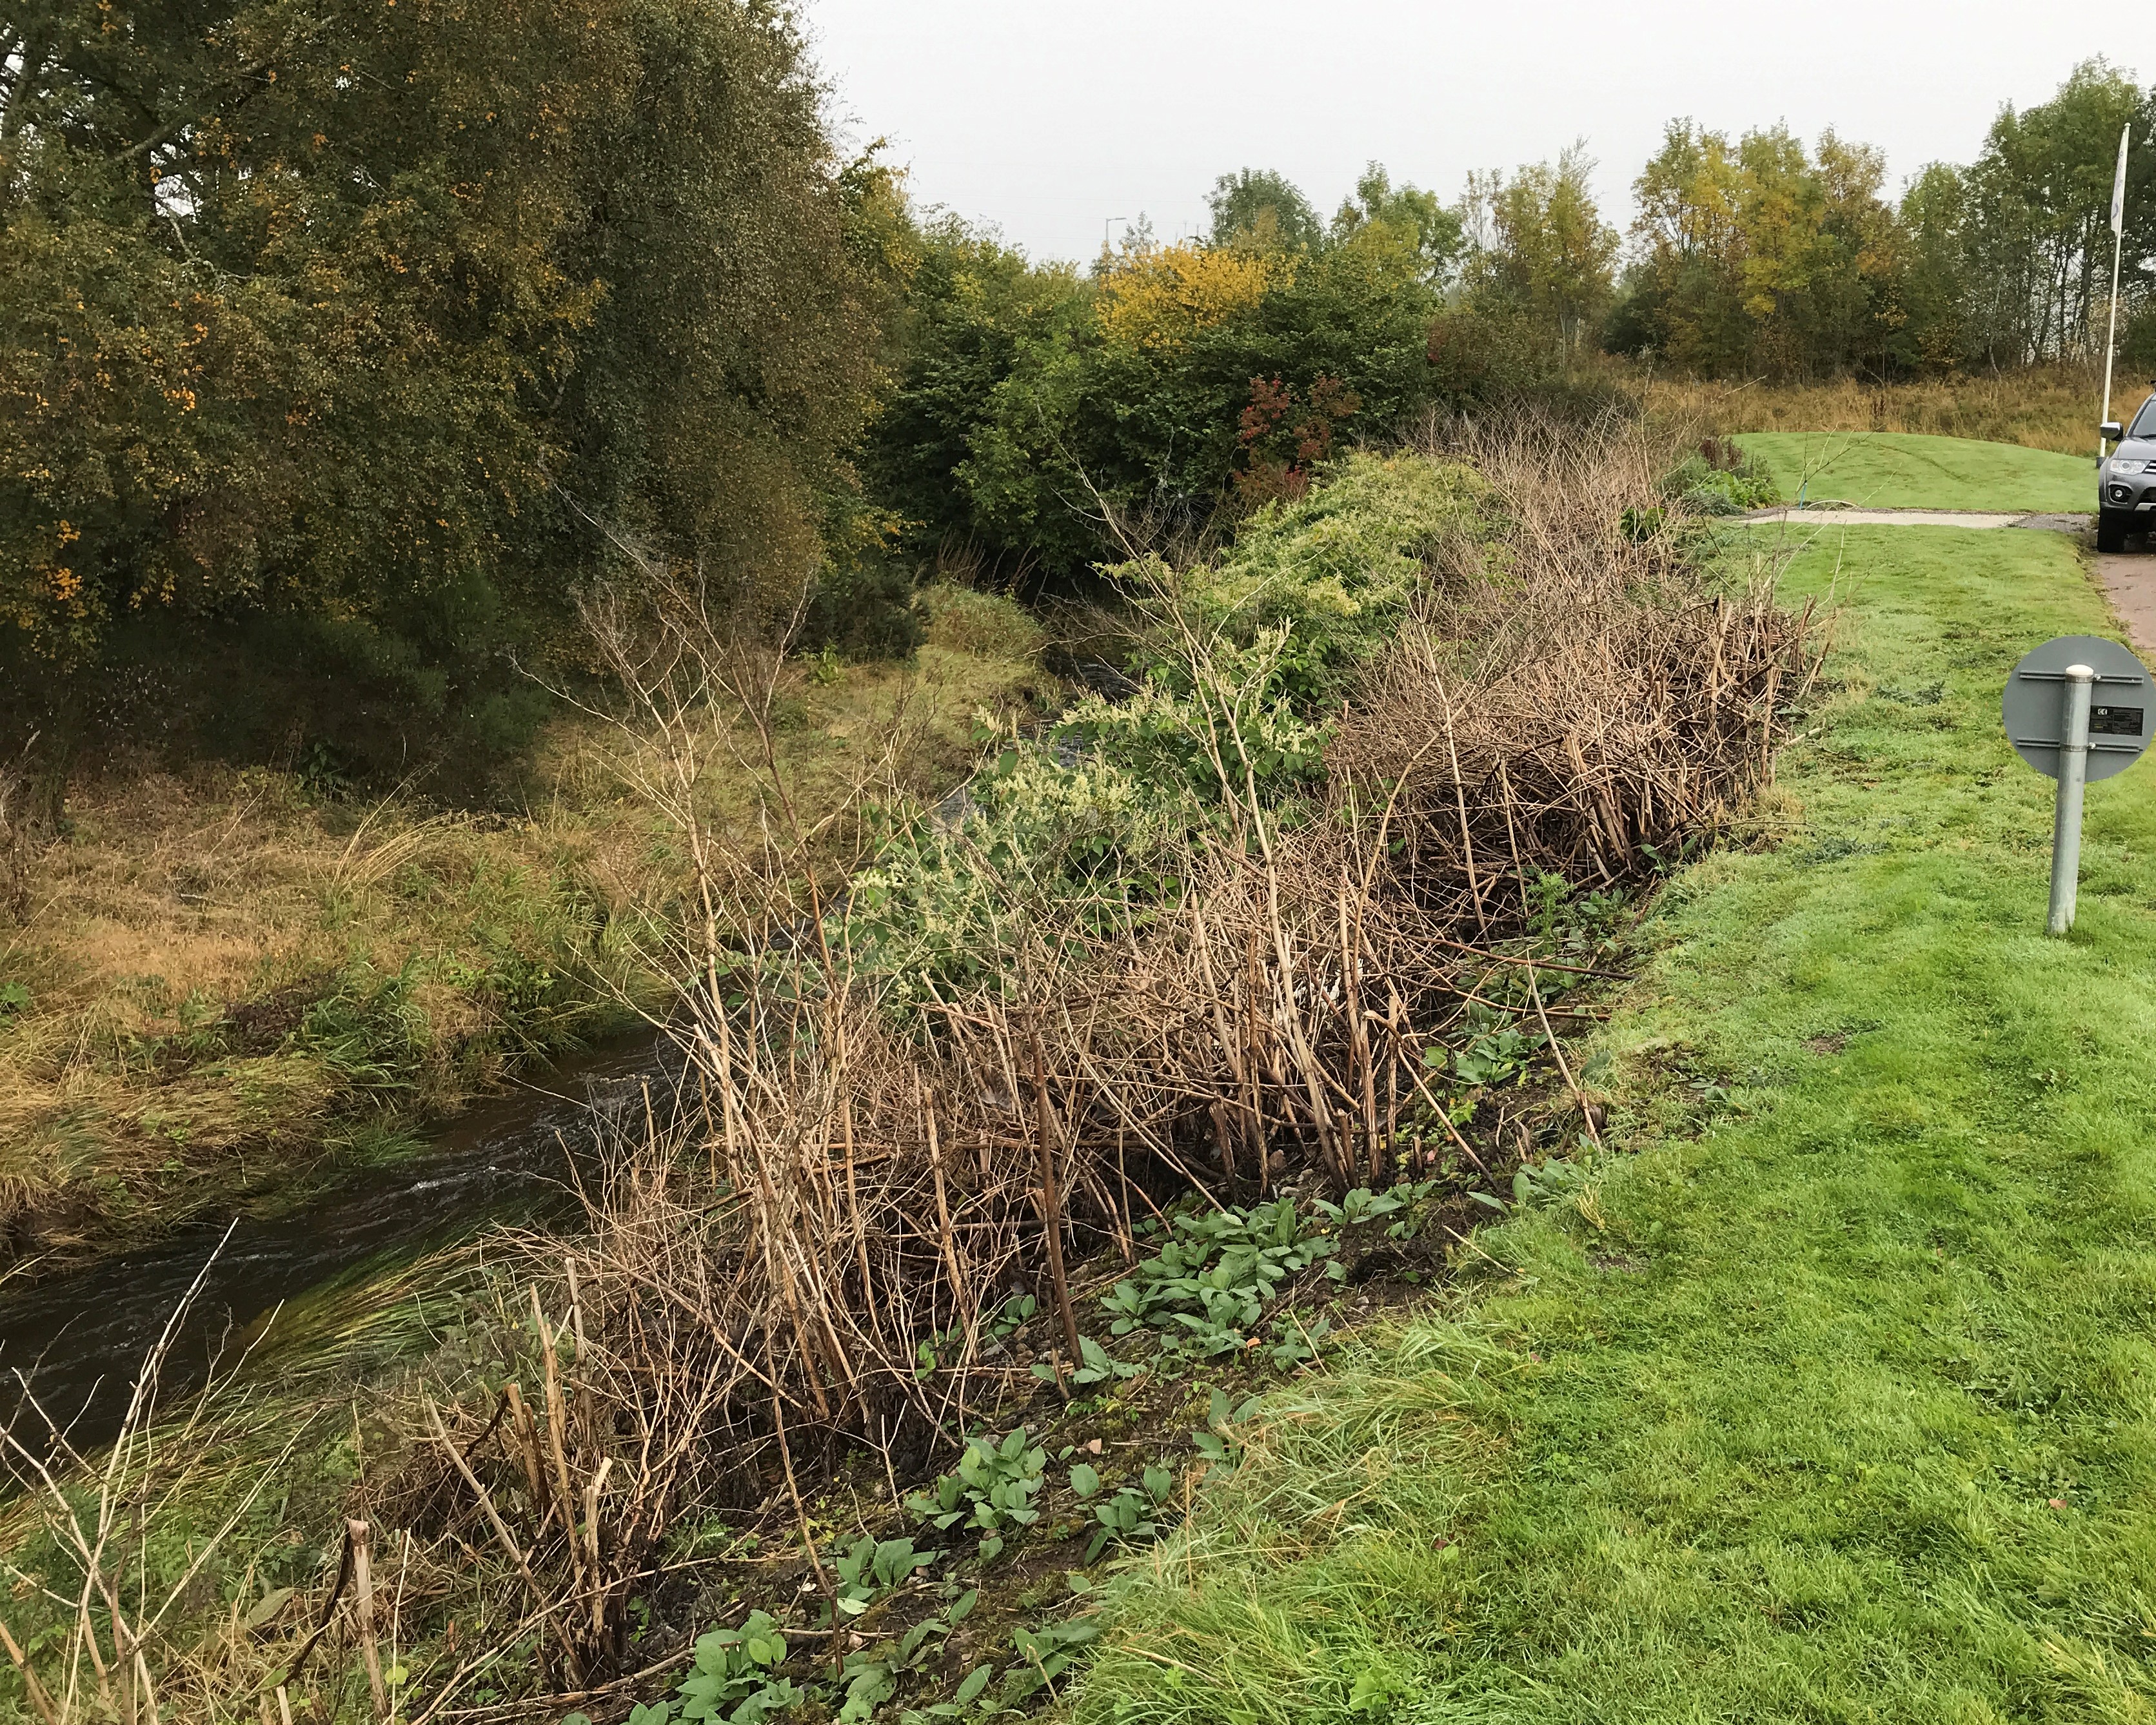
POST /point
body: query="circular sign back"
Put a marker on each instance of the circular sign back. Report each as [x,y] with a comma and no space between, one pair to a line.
[2122,705]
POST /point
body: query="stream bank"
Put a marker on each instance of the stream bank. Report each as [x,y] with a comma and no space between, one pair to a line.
[80,1338]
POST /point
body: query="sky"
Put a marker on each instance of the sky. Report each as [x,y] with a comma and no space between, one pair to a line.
[1048,121]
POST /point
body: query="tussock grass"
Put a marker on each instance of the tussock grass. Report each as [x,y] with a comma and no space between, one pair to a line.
[1830,1403]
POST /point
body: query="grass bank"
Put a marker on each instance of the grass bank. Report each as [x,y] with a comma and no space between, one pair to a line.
[1902,470]
[1833,1401]
[220,985]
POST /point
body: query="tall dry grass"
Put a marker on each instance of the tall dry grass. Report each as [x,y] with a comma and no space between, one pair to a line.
[2042,407]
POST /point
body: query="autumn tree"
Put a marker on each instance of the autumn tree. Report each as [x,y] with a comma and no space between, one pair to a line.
[368,312]
[1764,257]
[1539,251]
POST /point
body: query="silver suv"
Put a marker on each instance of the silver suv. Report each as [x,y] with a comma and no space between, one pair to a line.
[2126,480]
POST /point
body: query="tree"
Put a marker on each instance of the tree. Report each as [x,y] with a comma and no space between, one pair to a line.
[1936,288]
[1538,249]
[1414,224]
[1173,380]
[2038,245]
[976,314]
[1264,207]
[364,311]
[1763,257]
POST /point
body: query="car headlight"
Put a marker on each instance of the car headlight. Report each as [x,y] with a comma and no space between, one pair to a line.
[2118,469]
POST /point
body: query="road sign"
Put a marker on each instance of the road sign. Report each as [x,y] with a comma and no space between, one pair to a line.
[2122,705]
[2078,708]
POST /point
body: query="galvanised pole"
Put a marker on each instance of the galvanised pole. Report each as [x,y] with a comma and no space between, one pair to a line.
[2073,780]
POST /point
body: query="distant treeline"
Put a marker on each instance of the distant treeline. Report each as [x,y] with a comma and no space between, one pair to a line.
[344,344]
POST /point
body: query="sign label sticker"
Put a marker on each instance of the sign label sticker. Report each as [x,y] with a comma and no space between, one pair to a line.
[2115,721]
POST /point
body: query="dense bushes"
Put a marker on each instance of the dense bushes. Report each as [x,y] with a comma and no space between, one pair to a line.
[1033,403]
[1240,663]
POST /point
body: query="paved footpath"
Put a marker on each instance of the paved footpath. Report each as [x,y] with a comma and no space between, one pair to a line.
[2128,578]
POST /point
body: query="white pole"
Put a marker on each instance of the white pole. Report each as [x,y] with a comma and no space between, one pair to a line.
[2110,341]
[2117,242]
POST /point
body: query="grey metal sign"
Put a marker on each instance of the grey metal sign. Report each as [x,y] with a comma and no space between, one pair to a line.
[2122,705]
[2077,708]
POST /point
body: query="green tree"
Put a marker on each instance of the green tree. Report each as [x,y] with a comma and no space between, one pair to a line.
[365,312]
[1411,223]
[1539,251]
[1935,283]
[978,315]
[2038,241]
[1265,207]
[1172,381]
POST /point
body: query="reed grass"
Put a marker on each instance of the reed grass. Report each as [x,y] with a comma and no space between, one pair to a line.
[2042,407]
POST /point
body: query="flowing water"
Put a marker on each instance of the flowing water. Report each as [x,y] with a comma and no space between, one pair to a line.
[80,1338]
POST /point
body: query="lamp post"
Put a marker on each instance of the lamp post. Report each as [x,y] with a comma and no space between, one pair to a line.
[2118,242]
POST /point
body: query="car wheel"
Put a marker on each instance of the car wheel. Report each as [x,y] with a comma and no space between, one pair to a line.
[2110,530]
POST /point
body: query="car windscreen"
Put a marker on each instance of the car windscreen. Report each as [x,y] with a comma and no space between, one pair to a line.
[2145,421]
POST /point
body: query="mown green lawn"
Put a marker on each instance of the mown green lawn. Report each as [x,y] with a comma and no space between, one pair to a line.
[1836,1399]
[1892,470]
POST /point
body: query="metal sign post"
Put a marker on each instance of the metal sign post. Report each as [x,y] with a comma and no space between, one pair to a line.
[2073,781]
[2077,709]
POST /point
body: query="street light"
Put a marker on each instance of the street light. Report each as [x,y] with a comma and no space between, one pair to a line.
[2118,239]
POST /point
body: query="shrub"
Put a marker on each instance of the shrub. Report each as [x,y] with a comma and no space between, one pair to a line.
[990,626]
[866,611]
[1720,479]
[1335,568]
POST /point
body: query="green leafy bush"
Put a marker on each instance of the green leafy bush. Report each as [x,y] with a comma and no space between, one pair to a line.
[942,904]
[992,1488]
[1719,478]
[1334,568]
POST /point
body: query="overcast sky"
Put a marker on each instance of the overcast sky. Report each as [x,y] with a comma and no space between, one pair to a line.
[1047,119]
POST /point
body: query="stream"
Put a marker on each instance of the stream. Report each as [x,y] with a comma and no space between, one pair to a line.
[80,1338]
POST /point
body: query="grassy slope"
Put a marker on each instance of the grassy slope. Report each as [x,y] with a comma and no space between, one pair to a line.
[1901,471]
[1835,1401]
